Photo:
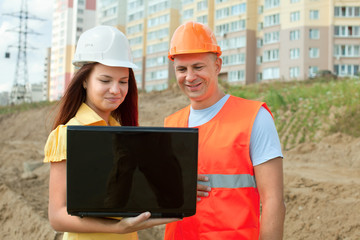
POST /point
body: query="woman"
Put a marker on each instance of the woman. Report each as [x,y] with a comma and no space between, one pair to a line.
[102,93]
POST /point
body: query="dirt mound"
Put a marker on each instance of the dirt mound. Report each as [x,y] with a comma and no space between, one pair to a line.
[322,189]
[322,180]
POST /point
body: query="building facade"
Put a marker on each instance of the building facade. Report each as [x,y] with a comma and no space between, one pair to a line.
[261,40]
[70,19]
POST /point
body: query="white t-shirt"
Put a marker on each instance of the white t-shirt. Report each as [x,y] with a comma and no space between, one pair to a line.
[264,141]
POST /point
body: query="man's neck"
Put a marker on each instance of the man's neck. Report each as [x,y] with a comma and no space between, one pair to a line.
[202,104]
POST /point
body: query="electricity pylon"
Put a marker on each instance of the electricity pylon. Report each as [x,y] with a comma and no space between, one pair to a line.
[21,88]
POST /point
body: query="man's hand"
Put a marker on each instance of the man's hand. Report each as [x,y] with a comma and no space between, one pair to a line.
[202,190]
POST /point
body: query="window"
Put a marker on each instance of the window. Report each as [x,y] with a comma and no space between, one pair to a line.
[314,14]
[347,50]
[202,5]
[158,20]
[234,59]
[294,16]
[159,6]
[294,72]
[189,13]
[109,12]
[312,71]
[159,47]
[346,69]
[232,43]
[271,55]
[349,12]
[135,29]
[271,20]
[222,13]
[272,37]
[161,33]
[137,53]
[230,27]
[260,9]
[294,53]
[202,19]
[347,31]
[294,35]
[238,9]
[155,75]
[314,52]
[156,61]
[271,4]
[187,1]
[314,34]
[135,41]
[135,16]
[294,1]
[237,26]
[235,76]
[222,29]
[271,73]
[131,4]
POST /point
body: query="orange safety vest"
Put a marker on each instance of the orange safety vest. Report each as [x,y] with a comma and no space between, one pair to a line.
[232,210]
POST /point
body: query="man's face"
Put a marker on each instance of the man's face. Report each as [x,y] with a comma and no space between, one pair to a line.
[197,76]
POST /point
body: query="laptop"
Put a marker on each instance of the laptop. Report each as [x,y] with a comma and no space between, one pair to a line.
[125,171]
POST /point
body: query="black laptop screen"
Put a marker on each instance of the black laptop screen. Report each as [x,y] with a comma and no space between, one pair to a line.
[123,171]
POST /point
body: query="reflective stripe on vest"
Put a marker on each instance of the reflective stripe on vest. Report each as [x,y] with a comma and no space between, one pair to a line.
[229,181]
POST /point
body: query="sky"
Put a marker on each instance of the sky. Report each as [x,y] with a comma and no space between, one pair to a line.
[35,58]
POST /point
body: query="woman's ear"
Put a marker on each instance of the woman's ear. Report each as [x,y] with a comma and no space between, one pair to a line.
[84,84]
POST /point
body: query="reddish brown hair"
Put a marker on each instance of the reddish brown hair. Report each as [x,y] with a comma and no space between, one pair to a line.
[126,114]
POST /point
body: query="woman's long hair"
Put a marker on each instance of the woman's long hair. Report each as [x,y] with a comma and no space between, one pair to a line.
[126,114]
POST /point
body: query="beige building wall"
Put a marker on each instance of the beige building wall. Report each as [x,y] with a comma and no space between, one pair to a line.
[301,42]
[70,19]
[161,25]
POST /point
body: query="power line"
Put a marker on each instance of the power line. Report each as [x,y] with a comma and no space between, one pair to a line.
[21,88]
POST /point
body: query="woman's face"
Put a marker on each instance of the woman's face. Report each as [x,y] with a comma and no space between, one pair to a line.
[106,88]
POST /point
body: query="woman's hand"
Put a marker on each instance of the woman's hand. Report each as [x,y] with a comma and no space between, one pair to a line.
[202,190]
[143,221]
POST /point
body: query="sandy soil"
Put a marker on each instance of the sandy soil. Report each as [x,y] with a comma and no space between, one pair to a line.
[322,180]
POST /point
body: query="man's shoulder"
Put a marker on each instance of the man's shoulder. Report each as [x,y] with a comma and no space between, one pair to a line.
[241,100]
[179,116]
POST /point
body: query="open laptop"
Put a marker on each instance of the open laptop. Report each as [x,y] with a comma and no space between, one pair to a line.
[125,171]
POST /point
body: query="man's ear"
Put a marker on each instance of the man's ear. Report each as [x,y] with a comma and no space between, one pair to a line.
[218,64]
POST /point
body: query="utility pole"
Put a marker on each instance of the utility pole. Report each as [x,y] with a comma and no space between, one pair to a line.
[21,88]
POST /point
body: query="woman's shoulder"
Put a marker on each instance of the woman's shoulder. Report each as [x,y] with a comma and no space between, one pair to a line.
[55,147]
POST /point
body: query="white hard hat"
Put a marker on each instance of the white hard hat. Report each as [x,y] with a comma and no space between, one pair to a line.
[103,44]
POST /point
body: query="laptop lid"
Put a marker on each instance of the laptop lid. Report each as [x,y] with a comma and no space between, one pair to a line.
[124,171]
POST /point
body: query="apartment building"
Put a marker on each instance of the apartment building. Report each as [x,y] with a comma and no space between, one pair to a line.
[346,37]
[70,19]
[163,17]
[199,11]
[136,31]
[112,13]
[297,38]
[261,40]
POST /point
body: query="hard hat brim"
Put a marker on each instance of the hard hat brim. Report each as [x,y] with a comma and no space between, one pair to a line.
[110,63]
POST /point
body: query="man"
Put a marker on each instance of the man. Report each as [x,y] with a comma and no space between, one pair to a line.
[240,159]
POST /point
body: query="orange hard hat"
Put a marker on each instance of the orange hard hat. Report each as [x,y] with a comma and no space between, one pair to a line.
[193,37]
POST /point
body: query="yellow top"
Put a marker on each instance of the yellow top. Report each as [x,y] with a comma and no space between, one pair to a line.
[55,151]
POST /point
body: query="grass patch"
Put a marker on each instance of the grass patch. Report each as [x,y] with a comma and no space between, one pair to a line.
[303,108]
[348,122]
[23,107]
